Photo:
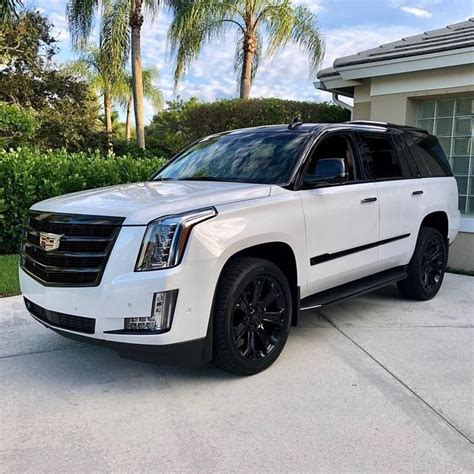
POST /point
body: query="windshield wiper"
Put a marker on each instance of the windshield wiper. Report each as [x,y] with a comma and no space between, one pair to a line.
[205,178]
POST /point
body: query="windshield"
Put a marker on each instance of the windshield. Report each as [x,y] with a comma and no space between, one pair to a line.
[249,157]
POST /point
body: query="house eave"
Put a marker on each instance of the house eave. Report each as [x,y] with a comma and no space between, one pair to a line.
[336,84]
[408,64]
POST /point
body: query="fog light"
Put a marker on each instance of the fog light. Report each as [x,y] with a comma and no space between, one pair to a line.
[161,314]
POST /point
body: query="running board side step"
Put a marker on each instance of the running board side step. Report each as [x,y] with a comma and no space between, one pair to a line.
[354,288]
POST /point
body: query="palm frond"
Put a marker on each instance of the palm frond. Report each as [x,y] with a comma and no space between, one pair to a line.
[152,6]
[285,23]
[115,36]
[305,33]
[80,68]
[86,68]
[150,90]
[120,90]
[195,24]
[9,9]
[80,15]
[92,67]
[278,19]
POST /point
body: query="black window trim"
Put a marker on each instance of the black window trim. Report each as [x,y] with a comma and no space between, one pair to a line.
[320,137]
[295,180]
[412,136]
[408,156]
[395,136]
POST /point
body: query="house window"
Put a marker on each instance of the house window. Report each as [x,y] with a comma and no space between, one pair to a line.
[452,121]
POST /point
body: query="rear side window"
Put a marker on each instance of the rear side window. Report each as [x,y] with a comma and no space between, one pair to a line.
[381,159]
[428,155]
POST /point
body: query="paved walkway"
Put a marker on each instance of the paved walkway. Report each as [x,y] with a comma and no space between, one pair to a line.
[372,384]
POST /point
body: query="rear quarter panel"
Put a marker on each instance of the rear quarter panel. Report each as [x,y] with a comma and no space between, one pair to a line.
[441,194]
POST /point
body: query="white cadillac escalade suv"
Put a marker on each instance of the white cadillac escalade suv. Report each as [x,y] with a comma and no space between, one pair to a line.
[213,257]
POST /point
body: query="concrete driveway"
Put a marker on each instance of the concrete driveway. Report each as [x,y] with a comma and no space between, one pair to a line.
[372,384]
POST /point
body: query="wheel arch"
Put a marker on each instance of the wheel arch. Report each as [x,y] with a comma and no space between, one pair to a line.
[439,221]
[282,255]
[277,252]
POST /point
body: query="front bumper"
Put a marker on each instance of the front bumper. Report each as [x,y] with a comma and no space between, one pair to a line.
[124,293]
[188,353]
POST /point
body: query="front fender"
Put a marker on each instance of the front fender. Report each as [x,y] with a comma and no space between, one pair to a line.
[239,226]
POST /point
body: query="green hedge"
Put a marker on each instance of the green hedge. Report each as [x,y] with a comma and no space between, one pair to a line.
[184,122]
[30,175]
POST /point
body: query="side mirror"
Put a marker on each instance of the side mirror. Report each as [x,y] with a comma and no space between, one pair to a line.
[328,171]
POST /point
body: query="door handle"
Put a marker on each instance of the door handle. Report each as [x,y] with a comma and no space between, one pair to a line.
[416,193]
[367,200]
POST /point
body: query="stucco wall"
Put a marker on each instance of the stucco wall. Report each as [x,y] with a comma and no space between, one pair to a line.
[361,111]
[461,252]
[393,108]
[394,98]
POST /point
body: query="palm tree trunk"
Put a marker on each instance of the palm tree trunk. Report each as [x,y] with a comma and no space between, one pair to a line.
[128,125]
[108,123]
[136,23]
[247,66]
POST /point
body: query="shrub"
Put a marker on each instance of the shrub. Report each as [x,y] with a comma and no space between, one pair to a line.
[66,109]
[16,124]
[184,122]
[30,175]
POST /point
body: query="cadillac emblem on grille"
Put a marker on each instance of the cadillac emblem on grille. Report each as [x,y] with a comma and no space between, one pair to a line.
[49,241]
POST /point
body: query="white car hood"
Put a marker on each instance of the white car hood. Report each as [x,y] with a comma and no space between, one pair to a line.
[140,203]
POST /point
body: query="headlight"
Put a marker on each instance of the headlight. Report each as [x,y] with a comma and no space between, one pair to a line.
[165,239]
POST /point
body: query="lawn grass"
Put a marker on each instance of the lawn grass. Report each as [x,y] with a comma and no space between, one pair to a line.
[9,284]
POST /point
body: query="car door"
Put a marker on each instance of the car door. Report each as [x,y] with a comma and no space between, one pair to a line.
[400,194]
[342,220]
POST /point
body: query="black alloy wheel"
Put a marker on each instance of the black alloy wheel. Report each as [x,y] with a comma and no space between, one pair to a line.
[258,317]
[427,266]
[252,316]
[432,264]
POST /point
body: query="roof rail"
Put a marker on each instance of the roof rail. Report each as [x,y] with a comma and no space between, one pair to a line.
[368,122]
[388,124]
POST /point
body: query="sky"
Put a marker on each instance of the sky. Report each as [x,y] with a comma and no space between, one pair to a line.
[348,26]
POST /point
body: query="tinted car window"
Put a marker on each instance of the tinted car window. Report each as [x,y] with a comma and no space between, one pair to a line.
[428,155]
[381,159]
[334,146]
[250,157]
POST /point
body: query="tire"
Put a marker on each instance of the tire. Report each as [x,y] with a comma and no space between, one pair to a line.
[427,266]
[251,317]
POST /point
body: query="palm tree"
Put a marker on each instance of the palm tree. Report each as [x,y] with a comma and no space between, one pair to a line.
[276,22]
[121,26]
[93,67]
[150,91]
[8,9]
[118,127]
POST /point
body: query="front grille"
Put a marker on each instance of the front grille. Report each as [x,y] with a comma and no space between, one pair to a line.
[61,320]
[84,248]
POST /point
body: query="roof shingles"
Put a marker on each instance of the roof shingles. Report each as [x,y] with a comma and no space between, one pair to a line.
[456,36]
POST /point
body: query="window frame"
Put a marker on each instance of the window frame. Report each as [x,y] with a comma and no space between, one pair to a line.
[394,137]
[448,171]
[293,170]
[348,134]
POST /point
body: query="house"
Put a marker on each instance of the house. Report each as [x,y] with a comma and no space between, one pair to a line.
[426,80]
